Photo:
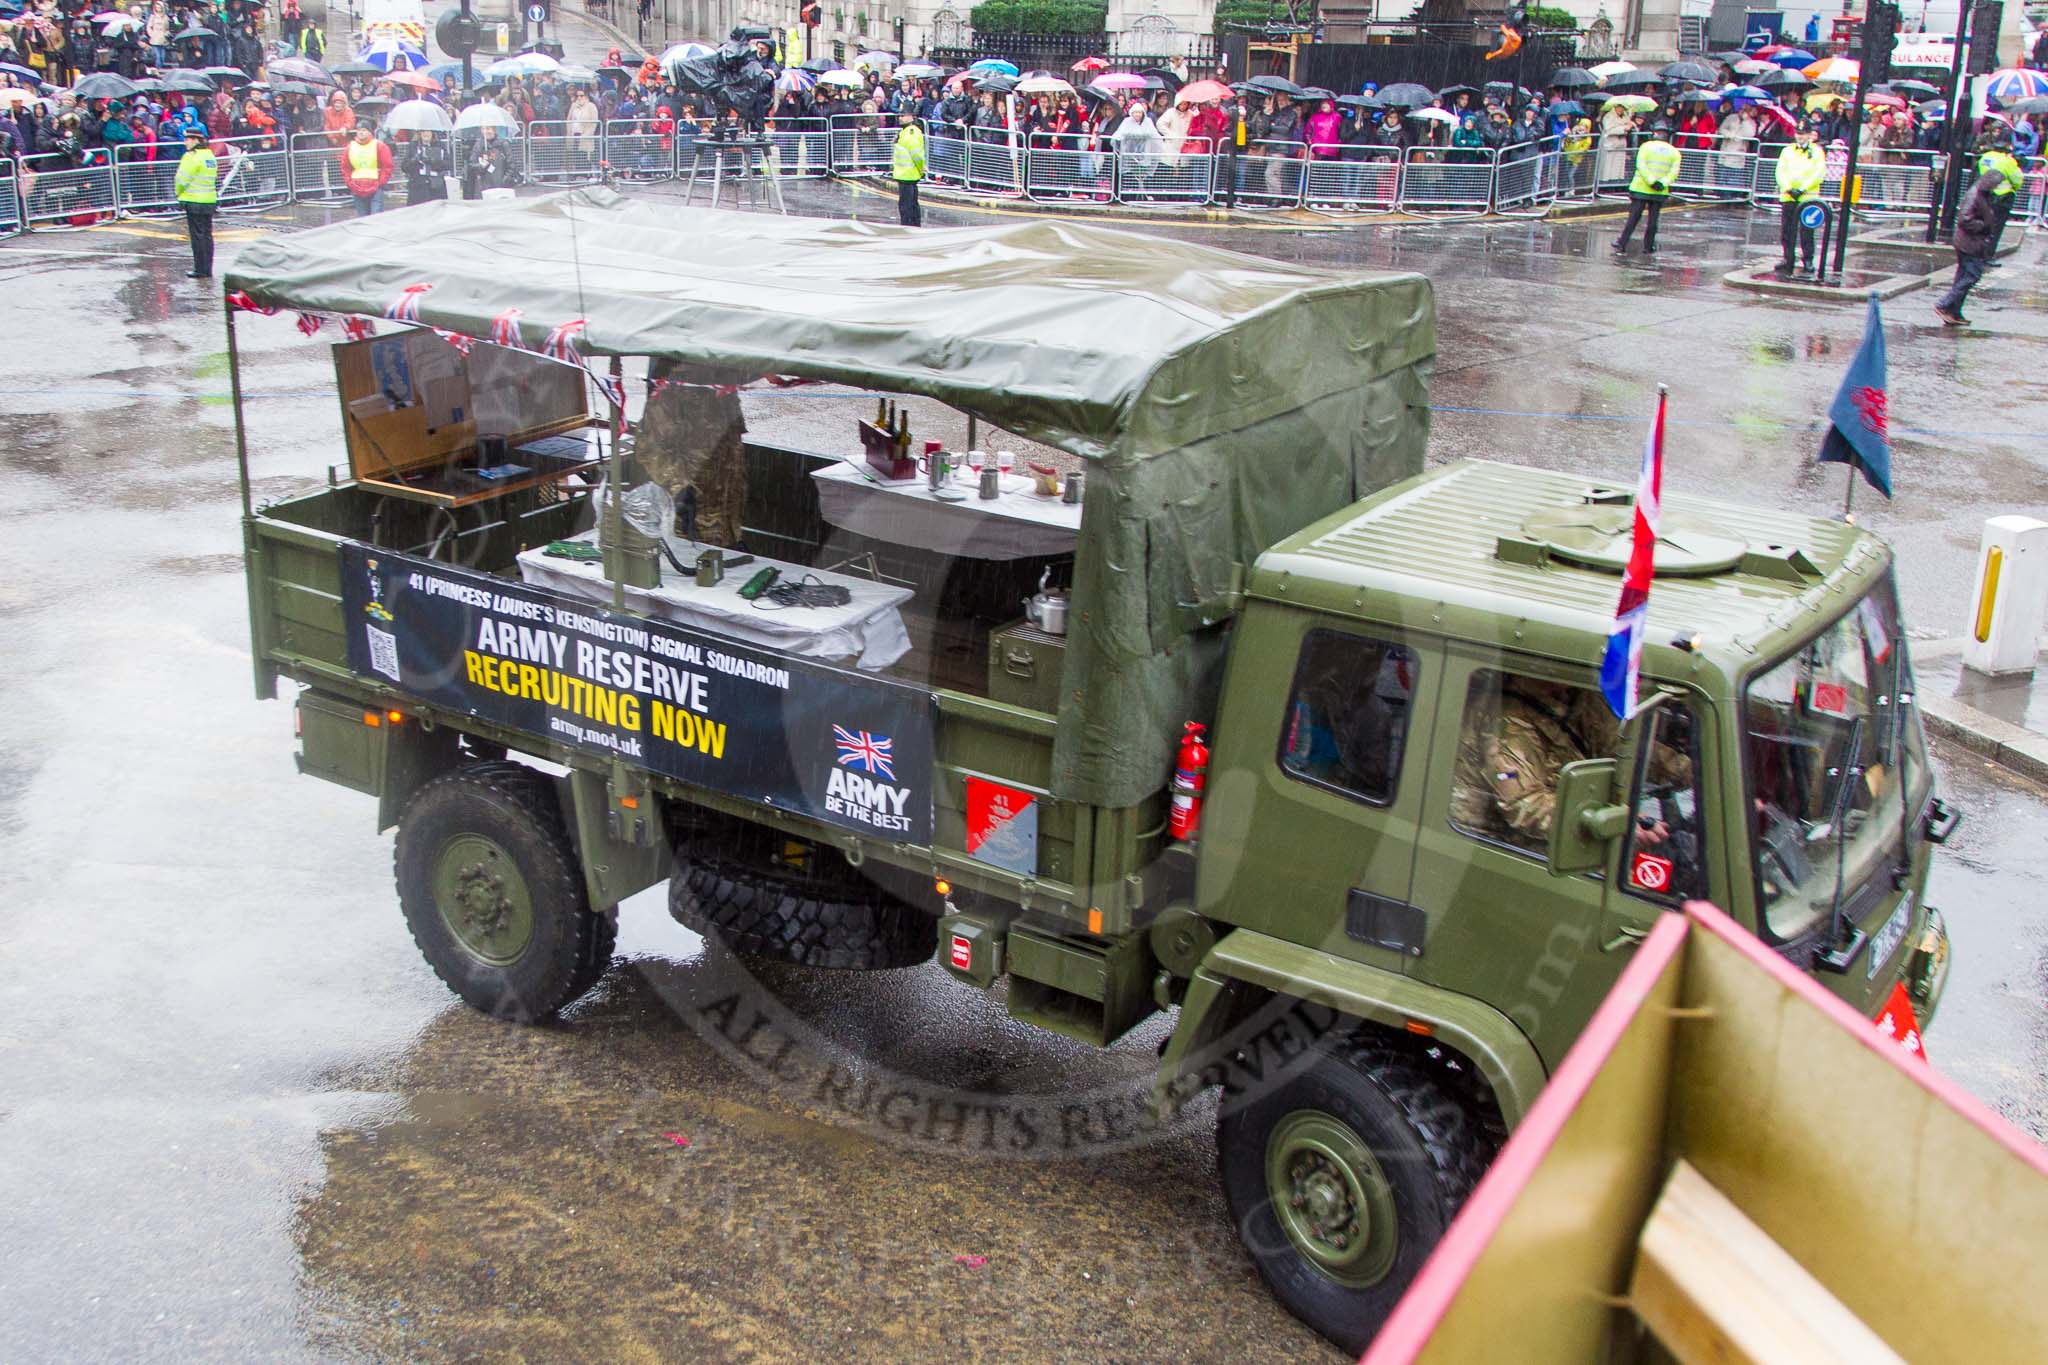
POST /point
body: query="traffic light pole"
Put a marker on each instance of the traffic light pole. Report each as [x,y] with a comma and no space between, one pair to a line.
[1941,219]
[468,52]
[1875,32]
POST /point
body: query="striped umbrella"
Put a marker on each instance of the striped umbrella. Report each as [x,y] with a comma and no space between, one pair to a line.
[2014,83]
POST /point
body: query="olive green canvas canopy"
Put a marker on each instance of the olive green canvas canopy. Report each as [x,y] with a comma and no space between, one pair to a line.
[1226,400]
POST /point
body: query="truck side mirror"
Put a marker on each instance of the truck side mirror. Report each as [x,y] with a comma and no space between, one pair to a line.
[1586,821]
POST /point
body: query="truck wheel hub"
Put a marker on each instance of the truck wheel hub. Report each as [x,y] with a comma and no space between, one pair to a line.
[483,899]
[1330,1197]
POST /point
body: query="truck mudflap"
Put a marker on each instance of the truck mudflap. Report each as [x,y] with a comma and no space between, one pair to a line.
[1245,964]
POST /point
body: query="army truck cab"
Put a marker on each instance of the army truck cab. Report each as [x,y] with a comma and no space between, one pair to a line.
[1418,825]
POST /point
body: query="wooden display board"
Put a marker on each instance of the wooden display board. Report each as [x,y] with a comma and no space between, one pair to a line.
[413,409]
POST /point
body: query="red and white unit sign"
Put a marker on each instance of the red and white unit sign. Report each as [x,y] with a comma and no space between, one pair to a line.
[1002,826]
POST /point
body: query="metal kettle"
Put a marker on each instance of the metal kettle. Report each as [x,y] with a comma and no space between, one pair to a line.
[1046,608]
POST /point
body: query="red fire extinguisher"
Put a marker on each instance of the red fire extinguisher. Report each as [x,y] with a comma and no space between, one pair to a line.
[1190,775]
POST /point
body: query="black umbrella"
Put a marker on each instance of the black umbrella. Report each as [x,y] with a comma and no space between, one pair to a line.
[233,75]
[1450,92]
[1692,97]
[1626,80]
[376,102]
[1276,85]
[997,83]
[353,69]
[1573,78]
[1784,79]
[188,83]
[1359,102]
[104,85]
[199,31]
[298,69]
[1692,73]
[1407,95]
[1932,109]
[1916,90]
[1096,96]
[818,66]
[299,88]
[1567,109]
[1167,80]
[1316,92]
[1731,57]
[1594,97]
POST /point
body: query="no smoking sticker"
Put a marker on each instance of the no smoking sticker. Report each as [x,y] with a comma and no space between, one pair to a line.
[1650,872]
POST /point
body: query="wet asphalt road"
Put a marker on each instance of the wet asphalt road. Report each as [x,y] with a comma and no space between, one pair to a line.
[239,1117]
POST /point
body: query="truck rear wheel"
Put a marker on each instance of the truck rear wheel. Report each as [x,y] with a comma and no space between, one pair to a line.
[1343,1179]
[810,918]
[491,888]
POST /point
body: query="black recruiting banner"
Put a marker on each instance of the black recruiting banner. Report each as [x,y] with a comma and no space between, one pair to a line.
[850,750]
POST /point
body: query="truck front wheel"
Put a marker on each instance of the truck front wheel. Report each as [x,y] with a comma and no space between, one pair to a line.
[490,885]
[1342,1180]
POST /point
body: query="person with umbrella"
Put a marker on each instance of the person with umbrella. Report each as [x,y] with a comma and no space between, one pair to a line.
[1801,170]
[907,168]
[1283,126]
[1657,163]
[1737,130]
[366,165]
[426,167]
[197,186]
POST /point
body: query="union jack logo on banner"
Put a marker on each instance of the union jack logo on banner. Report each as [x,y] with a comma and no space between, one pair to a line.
[859,749]
[456,339]
[358,329]
[406,307]
[309,323]
[561,341]
[505,329]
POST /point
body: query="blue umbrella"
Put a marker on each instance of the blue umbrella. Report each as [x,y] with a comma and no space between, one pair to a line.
[1745,92]
[1794,59]
[442,71]
[995,66]
[384,54]
[1567,109]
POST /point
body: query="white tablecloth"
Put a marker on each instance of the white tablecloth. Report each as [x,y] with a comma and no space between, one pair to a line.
[1016,524]
[870,627]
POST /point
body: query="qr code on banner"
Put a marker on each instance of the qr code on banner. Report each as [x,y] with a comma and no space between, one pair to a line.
[383,652]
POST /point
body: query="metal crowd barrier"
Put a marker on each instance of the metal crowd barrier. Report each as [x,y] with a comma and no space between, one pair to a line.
[1905,186]
[144,178]
[1578,165]
[1346,179]
[1068,168]
[1176,177]
[945,156]
[635,152]
[556,157]
[1448,188]
[861,144]
[52,192]
[1710,173]
[317,176]
[2034,198]
[995,165]
[803,148]
[255,173]
[1270,174]
[1525,176]
[10,199]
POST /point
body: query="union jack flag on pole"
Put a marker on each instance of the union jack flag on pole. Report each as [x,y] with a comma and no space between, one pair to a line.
[1623,663]
[859,749]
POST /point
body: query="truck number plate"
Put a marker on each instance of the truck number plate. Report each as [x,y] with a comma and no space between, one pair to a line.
[1885,941]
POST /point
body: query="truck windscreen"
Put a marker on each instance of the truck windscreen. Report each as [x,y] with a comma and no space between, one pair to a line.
[1824,814]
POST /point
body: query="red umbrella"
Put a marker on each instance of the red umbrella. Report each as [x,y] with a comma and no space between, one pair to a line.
[1202,92]
[418,80]
[1092,64]
[1772,50]
[1777,114]
[1881,100]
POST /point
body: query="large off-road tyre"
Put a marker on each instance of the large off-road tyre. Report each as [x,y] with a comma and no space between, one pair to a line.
[491,888]
[811,918]
[1343,1178]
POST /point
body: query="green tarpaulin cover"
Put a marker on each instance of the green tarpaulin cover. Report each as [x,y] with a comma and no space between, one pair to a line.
[1226,400]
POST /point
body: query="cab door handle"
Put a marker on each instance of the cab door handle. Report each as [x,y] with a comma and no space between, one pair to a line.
[1628,936]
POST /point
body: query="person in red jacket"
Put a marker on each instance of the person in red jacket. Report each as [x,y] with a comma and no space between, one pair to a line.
[1206,130]
[366,166]
[1696,130]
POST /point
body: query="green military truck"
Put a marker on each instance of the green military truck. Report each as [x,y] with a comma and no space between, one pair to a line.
[1419,820]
